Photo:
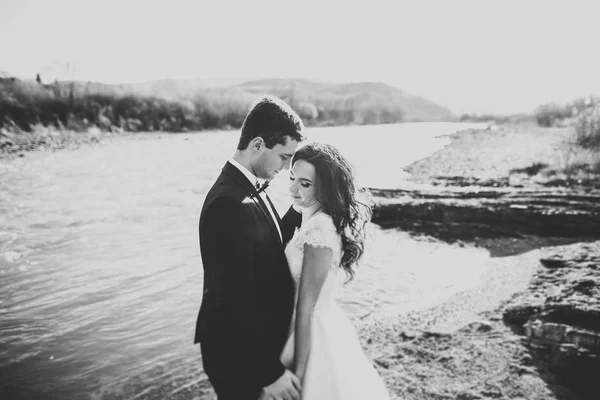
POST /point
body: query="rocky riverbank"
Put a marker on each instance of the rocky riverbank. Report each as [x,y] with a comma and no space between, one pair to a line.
[487,343]
[560,315]
[17,144]
[475,212]
[531,328]
[510,182]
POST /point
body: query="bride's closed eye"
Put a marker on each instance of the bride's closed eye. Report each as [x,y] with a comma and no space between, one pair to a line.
[303,184]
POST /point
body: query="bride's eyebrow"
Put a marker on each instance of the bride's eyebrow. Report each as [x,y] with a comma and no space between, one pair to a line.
[305,180]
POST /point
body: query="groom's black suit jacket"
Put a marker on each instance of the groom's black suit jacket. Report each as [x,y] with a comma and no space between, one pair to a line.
[248,297]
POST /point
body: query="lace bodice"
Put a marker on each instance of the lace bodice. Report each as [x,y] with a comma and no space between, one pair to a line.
[318,231]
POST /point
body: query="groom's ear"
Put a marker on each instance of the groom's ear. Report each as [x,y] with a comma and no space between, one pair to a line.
[257,143]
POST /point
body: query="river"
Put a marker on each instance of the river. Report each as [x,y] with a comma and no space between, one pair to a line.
[100,271]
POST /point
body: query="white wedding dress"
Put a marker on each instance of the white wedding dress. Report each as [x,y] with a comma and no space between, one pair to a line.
[337,368]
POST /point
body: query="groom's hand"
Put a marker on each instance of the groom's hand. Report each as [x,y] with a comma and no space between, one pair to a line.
[287,387]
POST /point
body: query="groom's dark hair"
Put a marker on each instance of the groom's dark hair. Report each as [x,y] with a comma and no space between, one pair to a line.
[272,119]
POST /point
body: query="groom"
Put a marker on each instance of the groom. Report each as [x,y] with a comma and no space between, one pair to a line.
[248,299]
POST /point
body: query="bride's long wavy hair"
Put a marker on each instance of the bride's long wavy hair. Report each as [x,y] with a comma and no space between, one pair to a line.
[348,206]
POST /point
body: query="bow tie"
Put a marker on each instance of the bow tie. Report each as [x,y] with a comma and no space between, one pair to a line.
[260,188]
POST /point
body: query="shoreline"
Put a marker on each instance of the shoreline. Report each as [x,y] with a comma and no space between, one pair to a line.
[464,347]
[17,145]
[49,138]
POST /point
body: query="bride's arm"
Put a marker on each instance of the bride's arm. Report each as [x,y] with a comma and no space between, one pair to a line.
[315,265]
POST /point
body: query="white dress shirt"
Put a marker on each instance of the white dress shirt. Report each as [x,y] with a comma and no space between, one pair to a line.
[253,180]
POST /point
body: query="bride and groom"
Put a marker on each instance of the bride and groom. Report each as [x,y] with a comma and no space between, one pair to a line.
[268,326]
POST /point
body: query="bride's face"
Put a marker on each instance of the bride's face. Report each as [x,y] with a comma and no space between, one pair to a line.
[302,184]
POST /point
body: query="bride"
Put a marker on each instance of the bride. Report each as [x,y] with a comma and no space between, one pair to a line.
[323,348]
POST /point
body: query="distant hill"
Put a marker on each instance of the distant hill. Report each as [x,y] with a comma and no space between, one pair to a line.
[173,89]
[361,95]
[373,101]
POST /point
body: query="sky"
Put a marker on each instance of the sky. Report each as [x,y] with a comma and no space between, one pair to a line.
[471,56]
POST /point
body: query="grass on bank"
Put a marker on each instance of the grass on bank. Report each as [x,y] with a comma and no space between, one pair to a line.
[583,114]
[575,158]
[77,106]
[581,160]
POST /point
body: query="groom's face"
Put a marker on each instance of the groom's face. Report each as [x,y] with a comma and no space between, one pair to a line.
[271,161]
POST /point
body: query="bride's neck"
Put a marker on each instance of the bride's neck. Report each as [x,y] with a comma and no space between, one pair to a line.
[308,212]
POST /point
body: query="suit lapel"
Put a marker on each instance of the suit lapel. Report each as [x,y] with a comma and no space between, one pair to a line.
[267,213]
[241,179]
[276,215]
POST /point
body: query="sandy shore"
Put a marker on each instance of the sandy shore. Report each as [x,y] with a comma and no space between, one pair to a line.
[502,154]
[448,350]
[460,348]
